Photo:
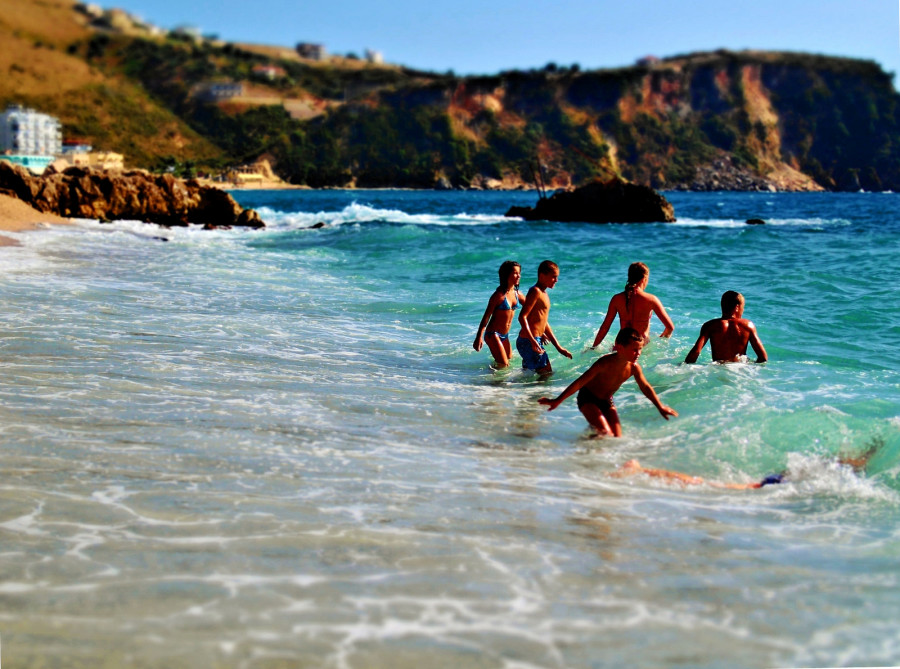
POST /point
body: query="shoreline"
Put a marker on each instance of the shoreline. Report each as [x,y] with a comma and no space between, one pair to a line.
[17,216]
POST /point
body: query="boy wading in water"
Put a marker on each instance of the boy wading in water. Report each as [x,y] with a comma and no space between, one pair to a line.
[635,307]
[535,324]
[728,336]
[597,385]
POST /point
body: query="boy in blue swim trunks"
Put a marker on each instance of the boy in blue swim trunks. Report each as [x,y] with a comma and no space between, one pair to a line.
[534,320]
[597,385]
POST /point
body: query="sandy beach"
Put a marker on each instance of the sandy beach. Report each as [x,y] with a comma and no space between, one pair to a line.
[16,216]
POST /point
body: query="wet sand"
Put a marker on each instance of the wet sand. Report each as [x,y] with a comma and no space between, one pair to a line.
[16,216]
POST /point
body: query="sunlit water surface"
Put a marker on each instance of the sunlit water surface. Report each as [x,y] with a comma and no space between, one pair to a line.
[279,449]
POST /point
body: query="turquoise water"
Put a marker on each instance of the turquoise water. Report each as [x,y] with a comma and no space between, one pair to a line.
[279,449]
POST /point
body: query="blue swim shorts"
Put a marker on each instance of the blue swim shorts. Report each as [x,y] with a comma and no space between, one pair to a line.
[530,359]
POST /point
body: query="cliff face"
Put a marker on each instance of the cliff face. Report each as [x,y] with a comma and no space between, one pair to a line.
[719,120]
[747,121]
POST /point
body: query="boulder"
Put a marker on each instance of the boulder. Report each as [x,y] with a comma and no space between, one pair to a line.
[79,192]
[611,201]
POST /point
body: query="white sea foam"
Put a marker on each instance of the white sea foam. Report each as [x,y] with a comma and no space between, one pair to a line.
[355,214]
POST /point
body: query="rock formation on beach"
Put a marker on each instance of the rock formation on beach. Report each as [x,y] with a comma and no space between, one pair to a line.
[610,201]
[78,192]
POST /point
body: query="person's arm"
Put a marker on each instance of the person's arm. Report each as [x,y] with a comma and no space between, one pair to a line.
[548,333]
[530,300]
[648,391]
[756,344]
[491,305]
[573,387]
[606,324]
[660,312]
[694,353]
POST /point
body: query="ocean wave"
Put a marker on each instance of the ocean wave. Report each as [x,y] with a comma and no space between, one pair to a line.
[359,213]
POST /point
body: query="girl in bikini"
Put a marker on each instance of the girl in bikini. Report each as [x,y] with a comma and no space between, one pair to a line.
[635,307]
[498,316]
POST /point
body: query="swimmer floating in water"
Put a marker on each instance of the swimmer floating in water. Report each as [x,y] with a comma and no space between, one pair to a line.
[633,467]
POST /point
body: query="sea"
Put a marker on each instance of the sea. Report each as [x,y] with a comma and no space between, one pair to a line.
[279,448]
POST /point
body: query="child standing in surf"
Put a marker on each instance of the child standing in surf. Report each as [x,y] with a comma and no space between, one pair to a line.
[635,307]
[599,383]
[498,316]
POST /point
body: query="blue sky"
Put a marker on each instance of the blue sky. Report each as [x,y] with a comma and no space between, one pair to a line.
[487,36]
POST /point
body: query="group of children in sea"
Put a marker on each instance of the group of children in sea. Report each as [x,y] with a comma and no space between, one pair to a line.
[729,337]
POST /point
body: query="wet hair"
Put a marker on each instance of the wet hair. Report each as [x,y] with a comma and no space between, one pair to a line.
[505,270]
[730,300]
[547,266]
[628,335]
[637,272]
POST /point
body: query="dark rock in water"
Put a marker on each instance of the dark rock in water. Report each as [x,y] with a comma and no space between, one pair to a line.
[755,221]
[316,226]
[79,192]
[612,201]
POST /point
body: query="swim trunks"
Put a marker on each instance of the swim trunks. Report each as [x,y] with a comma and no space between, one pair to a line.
[530,359]
[585,396]
[503,337]
[773,479]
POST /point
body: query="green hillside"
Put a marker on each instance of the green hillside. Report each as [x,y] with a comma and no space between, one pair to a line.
[745,120]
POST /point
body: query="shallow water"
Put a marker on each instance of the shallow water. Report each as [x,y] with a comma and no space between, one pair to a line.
[278,448]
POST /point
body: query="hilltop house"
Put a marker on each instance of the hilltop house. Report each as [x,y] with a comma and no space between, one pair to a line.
[312,51]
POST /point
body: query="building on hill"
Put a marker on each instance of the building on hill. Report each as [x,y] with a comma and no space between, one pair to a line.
[218,91]
[28,132]
[270,72]
[312,51]
[374,57]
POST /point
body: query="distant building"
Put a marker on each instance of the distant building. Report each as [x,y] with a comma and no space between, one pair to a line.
[270,72]
[374,57]
[28,132]
[219,91]
[35,164]
[647,61]
[312,51]
[187,32]
[76,145]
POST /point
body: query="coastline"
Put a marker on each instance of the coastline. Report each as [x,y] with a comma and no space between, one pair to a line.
[16,216]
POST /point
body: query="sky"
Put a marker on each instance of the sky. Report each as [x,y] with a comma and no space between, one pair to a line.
[489,36]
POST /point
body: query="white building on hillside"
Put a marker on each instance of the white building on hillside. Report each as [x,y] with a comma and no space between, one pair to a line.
[25,131]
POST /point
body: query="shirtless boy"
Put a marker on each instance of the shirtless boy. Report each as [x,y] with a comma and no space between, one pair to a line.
[535,325]
[602,379]
[728,336]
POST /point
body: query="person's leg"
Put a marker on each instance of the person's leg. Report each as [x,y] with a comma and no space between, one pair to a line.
[501,356]
[596,419]
[608,409]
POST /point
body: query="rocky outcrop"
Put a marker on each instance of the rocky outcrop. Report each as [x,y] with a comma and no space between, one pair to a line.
[611,201]
[78,192]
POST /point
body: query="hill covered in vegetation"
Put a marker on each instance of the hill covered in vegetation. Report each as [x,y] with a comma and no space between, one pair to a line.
[718,120]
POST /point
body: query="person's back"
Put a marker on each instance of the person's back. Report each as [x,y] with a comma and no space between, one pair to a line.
[635,310]
[729,335]
[728,338]
[634,307]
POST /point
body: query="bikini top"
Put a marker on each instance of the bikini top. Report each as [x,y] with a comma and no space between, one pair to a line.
[504,305]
